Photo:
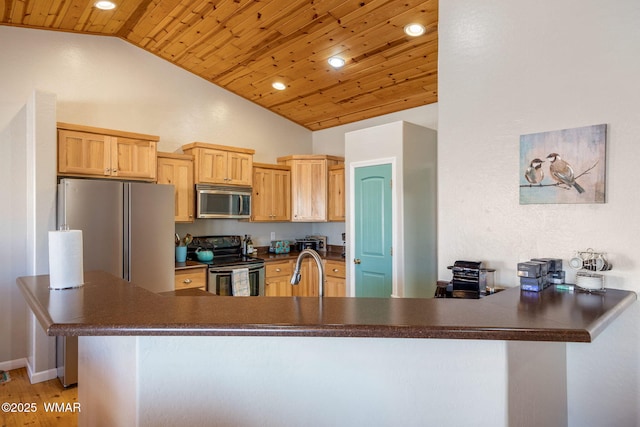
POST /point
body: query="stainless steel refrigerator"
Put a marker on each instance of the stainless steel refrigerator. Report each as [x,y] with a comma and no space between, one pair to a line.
[127,230]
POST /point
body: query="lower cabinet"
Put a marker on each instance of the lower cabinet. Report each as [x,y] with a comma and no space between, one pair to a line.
[278,278]
[308,286]
[336,283]
[191,277]
[277,282]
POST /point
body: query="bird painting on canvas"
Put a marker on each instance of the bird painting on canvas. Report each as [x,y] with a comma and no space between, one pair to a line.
[563,166]
[534,173]
[562,172]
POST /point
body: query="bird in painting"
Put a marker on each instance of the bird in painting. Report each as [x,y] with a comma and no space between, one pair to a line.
[534,173]
[562,172]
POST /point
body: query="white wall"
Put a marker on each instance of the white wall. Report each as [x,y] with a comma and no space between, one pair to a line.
[13,254]
[107,82]
[511,68]
[411,151]
[295,381]
[29,175]
[331,141]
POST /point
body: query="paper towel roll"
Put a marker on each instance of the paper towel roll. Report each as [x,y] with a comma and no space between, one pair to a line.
[65,259]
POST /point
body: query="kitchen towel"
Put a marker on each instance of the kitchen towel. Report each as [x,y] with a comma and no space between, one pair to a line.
[65,259]
[240,282]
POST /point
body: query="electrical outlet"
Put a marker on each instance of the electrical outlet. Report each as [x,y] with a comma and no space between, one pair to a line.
[273,235]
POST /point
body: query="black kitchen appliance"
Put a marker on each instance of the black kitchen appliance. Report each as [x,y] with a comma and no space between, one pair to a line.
[470,279]
[307,243]
[227,257]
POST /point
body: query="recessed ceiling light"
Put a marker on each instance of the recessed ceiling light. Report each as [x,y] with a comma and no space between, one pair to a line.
[279,85]
[414,30]
[336,62]
[105,5]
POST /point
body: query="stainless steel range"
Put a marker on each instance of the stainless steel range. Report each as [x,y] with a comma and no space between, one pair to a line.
[227,257]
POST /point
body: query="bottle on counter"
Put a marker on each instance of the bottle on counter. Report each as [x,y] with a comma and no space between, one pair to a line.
[249,246]
[244,245]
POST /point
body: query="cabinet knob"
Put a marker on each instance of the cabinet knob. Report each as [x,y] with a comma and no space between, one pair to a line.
[278,270]
[335,270]
[187,281]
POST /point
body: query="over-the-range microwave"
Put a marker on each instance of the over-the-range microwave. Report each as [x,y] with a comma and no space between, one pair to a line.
[214,201]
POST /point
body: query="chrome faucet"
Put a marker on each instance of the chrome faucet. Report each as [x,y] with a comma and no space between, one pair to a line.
[295,278]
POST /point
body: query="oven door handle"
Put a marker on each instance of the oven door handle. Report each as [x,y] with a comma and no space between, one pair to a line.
[231,268]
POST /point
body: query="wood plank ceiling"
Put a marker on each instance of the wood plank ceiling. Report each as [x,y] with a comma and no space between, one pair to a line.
[246,45]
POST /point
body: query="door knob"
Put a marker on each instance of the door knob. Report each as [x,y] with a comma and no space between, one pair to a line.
[356,261]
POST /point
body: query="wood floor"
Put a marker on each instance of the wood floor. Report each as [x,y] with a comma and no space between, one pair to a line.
[43,397]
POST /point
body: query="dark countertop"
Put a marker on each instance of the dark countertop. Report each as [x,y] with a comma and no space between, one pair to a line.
[106,305]
[267,257]
[271,257]
[189,265]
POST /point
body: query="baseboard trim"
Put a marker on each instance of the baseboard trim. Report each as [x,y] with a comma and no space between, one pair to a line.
[38,377]
[13,364]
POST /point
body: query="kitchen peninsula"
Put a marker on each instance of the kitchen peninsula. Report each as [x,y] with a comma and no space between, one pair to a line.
[147,359]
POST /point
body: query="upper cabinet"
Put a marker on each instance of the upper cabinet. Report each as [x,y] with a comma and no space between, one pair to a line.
[309,185]
[177,170]
[97,152]
[337,209]
[271,193]
[220,164]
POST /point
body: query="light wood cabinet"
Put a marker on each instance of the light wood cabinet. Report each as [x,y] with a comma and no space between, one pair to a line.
[335,284]
[271,193]
[177,170]
[336,195]
[221,164]
[187,278]
[308,286]
[309,185]
[90,152]
[278,279]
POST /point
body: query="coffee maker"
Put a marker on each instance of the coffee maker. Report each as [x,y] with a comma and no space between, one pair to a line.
[470,279]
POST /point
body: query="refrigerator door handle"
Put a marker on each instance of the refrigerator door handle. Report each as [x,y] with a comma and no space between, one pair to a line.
[126,229]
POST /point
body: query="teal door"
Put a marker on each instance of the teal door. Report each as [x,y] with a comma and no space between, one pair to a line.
[372,256]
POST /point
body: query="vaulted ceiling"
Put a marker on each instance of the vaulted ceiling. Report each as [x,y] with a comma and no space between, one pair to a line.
[246,45]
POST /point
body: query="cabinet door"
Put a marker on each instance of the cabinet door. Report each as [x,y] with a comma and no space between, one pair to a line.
[279,286]
[335,286]
[212,166]
[179,173]
[309,190]
[82,153]
[239,168]
[278,279]
[281,196]
[191,278]
[271,195]
[133,158]
[261,203]
[308,286]
[336,194]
